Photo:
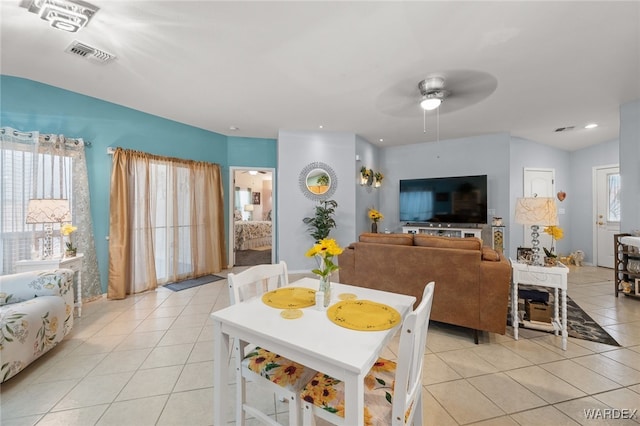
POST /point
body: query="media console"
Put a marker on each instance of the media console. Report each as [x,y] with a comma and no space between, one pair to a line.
[442,230]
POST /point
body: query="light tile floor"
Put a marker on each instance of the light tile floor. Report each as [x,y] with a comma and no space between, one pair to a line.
[147,360]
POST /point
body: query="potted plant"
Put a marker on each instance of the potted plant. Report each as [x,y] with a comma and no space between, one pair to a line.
[551,257]
[322,222]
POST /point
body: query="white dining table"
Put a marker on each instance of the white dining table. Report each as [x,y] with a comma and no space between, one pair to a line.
[312,340]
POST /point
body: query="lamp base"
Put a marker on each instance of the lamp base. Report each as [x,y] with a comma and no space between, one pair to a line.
[47,249]
[535,243]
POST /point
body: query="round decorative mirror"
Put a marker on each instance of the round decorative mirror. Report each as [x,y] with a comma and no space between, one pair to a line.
[318,181]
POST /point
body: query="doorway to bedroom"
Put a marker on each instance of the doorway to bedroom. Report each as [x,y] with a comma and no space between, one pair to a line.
[252,217]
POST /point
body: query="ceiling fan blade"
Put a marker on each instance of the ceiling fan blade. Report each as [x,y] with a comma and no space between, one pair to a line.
[464,87]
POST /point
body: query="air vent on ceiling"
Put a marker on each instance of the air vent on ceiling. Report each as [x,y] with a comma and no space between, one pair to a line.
[564,129]
[88,52]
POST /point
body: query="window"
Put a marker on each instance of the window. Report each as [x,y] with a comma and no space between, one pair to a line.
[613,197]
[26,175]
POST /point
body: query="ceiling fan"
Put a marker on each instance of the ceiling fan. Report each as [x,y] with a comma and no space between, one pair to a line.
[446,91]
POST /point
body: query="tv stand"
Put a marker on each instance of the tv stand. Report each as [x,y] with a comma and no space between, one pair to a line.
[442,230]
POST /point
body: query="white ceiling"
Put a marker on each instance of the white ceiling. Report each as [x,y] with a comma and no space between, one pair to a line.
[348,66]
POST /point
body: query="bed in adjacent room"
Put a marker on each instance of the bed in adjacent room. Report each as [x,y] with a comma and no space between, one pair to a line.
[252,234]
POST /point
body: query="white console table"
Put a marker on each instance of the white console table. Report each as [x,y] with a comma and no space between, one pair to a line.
[554,277]
[73,263]
[442,230]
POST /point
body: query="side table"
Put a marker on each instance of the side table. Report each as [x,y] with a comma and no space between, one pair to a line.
[73,263]
[554,277]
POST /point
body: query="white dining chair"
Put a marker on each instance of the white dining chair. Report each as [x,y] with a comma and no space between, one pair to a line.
[280,375]
[393,390]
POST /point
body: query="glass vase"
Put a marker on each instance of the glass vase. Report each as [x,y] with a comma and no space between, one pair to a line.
[374,227]
[325,287]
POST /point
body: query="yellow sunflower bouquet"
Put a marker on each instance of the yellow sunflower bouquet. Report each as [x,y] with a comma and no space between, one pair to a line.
[324,251]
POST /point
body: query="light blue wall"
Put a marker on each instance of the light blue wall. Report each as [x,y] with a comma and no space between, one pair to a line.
[630,166]
[295,151]
[527,154]
[480,155]
[367,196]
[582,163]
[29,105]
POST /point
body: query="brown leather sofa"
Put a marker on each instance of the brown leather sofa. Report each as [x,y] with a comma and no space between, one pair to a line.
[472,280]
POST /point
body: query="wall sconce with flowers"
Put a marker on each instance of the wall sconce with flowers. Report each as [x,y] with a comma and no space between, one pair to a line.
[366,176]
[378,177]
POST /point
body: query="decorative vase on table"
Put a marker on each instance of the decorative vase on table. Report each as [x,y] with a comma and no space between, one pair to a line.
[325,287]
[374,227]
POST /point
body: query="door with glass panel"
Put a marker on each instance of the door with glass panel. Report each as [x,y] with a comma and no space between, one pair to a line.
[607,213]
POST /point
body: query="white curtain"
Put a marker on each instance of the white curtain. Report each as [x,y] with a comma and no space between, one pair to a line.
[34,165]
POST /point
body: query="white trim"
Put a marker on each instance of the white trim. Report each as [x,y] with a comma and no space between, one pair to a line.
[230,248]
[594,208]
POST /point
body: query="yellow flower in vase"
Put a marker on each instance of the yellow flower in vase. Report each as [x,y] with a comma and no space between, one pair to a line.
[66,230]
[324,251]
[375,216]
[556,234]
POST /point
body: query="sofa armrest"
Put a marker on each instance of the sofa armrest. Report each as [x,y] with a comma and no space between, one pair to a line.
[495,282]
[347,264]
[23,286]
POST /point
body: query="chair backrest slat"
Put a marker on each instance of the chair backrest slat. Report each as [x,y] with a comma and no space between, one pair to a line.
[256,281]
[410,358]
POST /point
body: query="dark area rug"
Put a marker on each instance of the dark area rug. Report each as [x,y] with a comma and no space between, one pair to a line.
[579,324]
[252,257]
[194,282]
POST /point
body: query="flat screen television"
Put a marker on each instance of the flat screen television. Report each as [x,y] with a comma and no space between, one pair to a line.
[460,200]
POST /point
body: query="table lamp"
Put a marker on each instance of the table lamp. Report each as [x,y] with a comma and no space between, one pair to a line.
[536,211]
[48,211]
[249,208]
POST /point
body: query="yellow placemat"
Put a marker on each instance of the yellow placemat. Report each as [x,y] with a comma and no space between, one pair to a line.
[290,298]
[364,315]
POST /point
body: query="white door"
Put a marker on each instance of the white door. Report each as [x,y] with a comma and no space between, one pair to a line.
[538,183]
[607,213]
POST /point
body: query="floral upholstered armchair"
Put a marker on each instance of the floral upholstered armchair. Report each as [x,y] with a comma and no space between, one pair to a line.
[36,313]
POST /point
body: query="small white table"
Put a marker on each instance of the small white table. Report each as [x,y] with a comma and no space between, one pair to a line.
[73,263]
[544,276]
[312,340]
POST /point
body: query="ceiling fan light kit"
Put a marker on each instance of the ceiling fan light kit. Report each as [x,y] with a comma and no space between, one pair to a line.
[433,93]
[430,103]
[65,15]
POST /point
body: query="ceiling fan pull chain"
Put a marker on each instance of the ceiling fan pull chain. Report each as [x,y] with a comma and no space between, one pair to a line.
[438,125]
[424,121]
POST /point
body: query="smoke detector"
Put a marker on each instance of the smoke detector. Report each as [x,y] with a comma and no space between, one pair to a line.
[88,52]
[65,15]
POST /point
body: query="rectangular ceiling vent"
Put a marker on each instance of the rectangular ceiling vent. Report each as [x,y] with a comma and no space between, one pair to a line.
[88,52]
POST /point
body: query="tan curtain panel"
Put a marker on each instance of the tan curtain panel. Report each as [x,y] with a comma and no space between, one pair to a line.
[166,221]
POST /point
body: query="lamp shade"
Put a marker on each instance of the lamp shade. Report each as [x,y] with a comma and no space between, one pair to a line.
[49,210]
[536,211]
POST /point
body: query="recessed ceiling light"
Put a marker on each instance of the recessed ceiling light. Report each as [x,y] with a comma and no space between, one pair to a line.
[381,140]
[591,126]
[321,127]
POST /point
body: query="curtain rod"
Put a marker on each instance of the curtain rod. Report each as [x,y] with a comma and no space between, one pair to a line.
[47,137]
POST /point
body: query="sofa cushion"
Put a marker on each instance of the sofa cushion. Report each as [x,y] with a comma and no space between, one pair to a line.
[394,239]
[16,288]
[471,243]
[490,254]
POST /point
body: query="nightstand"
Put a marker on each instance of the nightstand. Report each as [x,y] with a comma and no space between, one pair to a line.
[73,263]
[554,277]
